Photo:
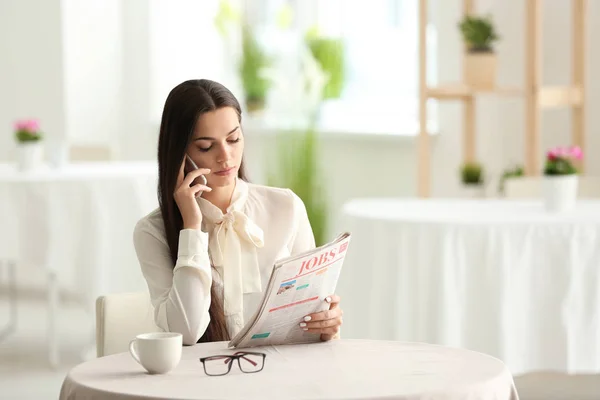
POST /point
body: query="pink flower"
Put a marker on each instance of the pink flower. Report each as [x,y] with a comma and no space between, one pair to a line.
[33,125]
[29,125]
[576,152]
[562,152]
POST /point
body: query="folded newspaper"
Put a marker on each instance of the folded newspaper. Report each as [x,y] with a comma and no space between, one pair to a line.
[298,287]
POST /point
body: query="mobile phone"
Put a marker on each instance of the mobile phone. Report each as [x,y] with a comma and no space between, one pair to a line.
[190,166]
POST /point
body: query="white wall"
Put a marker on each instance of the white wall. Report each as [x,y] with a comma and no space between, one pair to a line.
[355,166]
[135,138]
[31,68]
[91,37]
[82,67]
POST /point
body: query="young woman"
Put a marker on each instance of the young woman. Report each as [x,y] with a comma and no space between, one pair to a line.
[208,251]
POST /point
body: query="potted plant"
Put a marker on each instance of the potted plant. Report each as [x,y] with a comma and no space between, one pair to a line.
[472,179]
[480,60]
[297,168]
[560,178]
[329,53]
[253,63]
[29,148]
[509,173]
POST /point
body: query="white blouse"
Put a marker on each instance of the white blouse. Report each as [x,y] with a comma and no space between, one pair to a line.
[262,225]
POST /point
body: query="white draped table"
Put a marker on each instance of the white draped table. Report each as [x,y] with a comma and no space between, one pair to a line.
[498,276]
[75,224]
[339,369]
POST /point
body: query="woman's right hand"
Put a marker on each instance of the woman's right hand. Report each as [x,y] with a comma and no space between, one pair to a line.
[185,197]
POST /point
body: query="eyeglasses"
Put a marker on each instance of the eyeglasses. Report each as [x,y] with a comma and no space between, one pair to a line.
[249,362]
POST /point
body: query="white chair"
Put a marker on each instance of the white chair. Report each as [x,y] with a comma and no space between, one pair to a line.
[11,325]
[90,153]
[531,187]
[120,318]
[548,385]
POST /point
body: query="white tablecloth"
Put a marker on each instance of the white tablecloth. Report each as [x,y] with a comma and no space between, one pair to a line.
[78,221]
[501,277]
[339,369]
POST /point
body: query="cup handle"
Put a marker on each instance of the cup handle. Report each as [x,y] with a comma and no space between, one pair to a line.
[133,351]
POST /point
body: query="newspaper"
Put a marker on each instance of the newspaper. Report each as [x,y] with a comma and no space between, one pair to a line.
[298,287]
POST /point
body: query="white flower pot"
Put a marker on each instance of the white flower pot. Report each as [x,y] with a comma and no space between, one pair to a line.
[560,192]
[29,155]
[472,191]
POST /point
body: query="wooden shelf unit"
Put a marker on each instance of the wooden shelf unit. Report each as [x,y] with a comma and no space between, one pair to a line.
[459,91]
[536,97]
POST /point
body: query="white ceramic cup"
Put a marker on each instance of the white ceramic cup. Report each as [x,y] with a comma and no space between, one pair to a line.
[157,352]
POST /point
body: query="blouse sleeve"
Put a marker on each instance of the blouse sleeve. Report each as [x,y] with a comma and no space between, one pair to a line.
[180,294]
[303,238]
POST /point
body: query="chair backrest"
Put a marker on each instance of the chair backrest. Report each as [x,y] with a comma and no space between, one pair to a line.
[531,187]
[90,153]
[120,318]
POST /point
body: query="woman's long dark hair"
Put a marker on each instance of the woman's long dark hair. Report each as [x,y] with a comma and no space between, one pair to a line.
[184,105]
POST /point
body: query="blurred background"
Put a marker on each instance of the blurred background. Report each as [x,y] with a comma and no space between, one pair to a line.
[331,96]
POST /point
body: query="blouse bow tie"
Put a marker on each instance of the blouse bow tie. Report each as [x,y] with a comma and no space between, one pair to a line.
[233,245]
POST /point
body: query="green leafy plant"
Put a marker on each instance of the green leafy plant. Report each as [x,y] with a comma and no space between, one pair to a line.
[560,160]
[227,16]
[472,173]
[508,173]
[27,131]
[297,169]
[478,33]
[329,53]
[254,60]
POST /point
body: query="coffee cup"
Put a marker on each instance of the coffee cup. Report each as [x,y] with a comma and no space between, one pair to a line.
[157,352]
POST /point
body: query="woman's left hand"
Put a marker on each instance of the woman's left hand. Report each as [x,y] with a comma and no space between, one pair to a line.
[328,322]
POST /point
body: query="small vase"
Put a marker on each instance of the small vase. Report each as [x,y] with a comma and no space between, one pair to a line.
[29,156]
[560,192]
[472,191]
[480,70]
[57,152]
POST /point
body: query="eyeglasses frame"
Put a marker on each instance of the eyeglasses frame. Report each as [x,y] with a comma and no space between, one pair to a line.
[230,358]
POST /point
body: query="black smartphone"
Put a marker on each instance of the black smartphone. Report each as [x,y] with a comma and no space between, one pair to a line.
[190,166]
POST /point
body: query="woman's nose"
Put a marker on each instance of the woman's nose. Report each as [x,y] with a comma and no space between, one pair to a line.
[224,154]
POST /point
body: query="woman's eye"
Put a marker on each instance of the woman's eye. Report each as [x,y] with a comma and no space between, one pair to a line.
[205,149]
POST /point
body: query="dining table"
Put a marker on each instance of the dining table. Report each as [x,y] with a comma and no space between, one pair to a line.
[70,229]
[501,276]
[337,369]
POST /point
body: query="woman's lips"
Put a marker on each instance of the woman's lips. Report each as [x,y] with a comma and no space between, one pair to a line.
[225,172]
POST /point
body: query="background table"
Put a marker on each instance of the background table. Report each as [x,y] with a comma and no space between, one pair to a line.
[501,277]
[75,225]
[340,369]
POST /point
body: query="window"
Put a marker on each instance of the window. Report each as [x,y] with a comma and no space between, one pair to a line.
[381,46]
[183,45]
[381,39]
[380,42]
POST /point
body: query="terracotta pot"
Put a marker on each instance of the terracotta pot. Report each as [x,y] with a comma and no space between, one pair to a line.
[480,70]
